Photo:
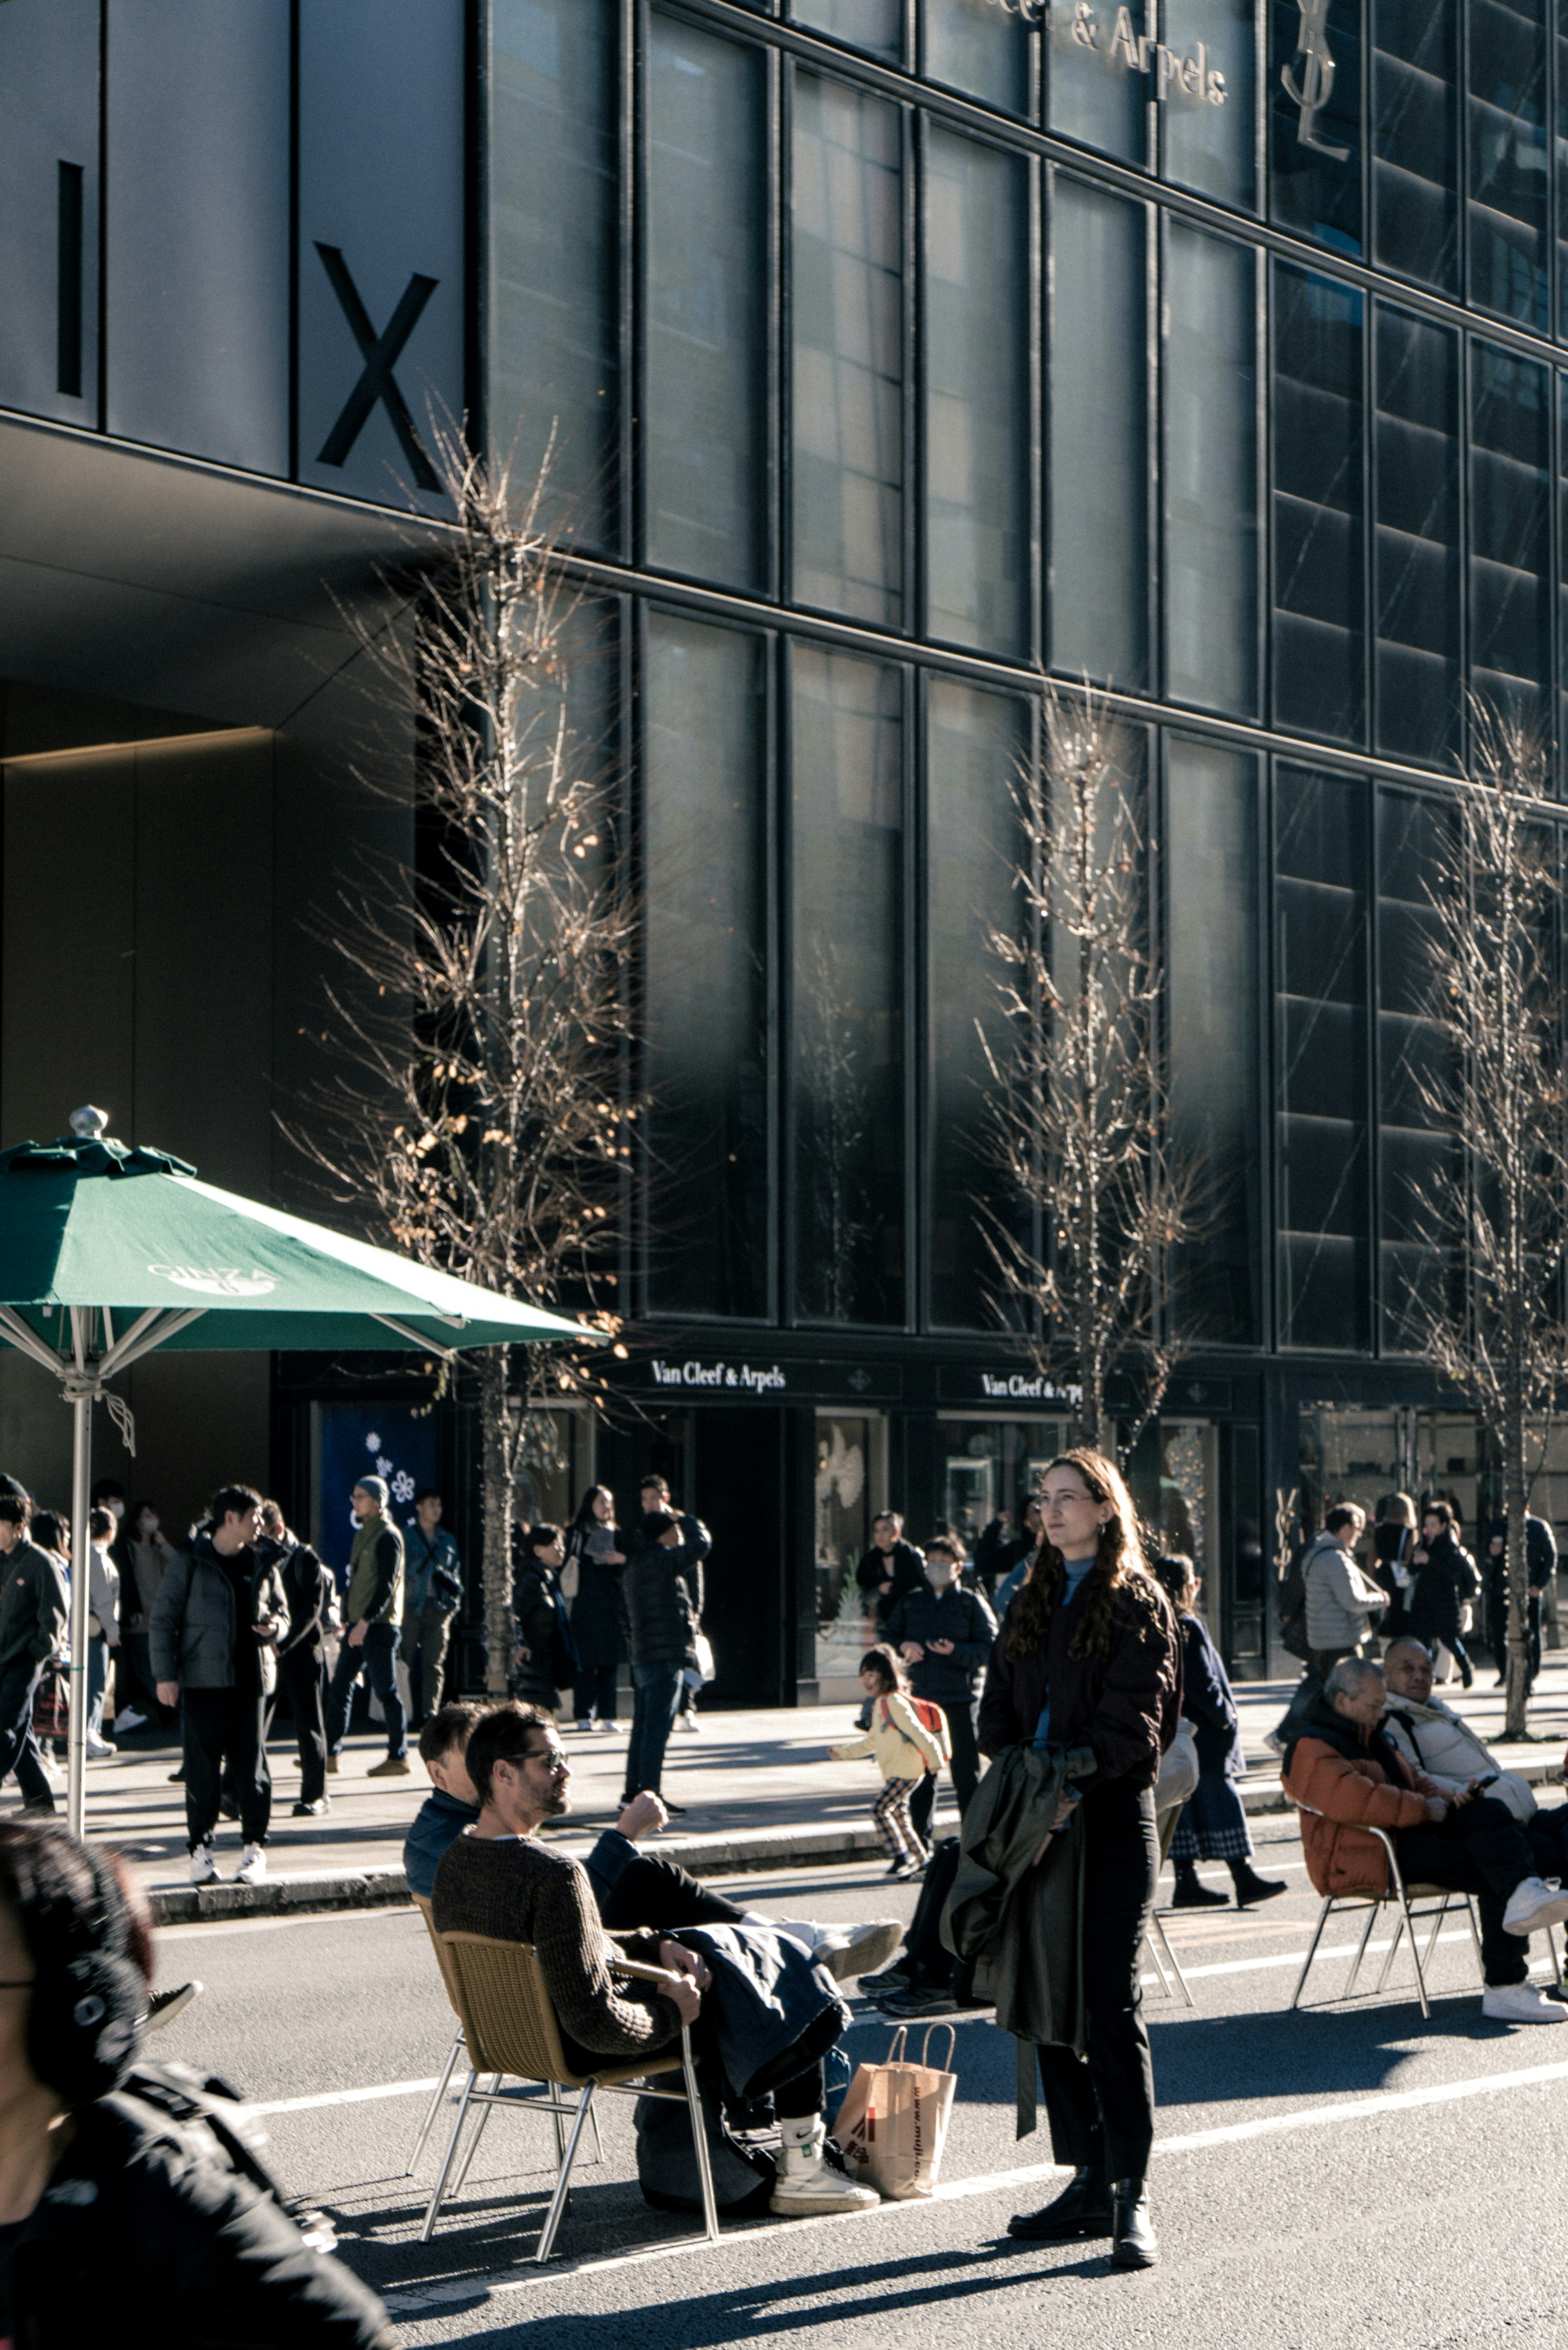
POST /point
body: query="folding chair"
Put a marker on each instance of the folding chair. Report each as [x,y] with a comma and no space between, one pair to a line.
[1398,1898]
[1156,1940]
[511,2032]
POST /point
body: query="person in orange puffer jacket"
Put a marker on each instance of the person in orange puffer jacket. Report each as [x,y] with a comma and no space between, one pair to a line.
[1351,1778]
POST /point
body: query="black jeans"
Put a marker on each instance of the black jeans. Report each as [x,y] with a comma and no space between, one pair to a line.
[226,1725]
[964,1766]
[300,1673]
[660,1898]
[595,1692]
[377,1662]
[1481,1849]
[18,1747]
[1101,2105]
[423,1650]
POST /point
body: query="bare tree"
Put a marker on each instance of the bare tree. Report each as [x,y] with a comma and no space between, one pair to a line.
[1489,1314]
[1097,1200]
[478,1111]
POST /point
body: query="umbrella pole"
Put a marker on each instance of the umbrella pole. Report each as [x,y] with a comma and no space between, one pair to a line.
[81,1476]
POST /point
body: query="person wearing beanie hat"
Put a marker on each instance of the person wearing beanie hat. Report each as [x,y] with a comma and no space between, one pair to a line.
[374,1617]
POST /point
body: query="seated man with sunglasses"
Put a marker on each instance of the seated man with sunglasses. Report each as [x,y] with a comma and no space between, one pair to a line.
[499,1880]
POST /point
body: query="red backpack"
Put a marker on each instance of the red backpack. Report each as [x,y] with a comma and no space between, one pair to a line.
[933,1720]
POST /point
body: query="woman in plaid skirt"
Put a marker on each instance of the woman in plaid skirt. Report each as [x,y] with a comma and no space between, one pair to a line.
[1213,1825]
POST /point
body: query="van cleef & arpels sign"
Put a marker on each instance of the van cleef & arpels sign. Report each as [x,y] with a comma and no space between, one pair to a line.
[1112,39]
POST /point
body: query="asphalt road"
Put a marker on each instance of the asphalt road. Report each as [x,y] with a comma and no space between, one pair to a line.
[1348,2176]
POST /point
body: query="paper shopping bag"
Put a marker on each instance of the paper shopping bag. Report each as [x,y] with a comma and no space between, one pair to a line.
[894,2119]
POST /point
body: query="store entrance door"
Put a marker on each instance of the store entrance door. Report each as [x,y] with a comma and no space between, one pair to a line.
[1189,1505]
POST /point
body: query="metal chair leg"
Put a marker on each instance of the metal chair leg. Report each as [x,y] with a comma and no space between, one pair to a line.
[485,2112]
[1312,1953]
[700,2139]
[1158,1923]
[1372,1910]
[1392,1952]
[1149,1945]
[1407,1924]
[435,2202]
[435,2105]
[564,2176]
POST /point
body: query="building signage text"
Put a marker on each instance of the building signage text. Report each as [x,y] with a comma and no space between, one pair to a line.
[719,1375]
[1030,1386]
[1193,76]
[1315,86]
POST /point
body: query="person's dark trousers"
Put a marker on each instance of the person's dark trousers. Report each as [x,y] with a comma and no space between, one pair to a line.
[423,1650]
[965,1764]
[660,1897]
[1480,1848]
[923,1804]
[926,1959]
[1320,1664]
[226,1725]
[379,1665]
[300,1674]
[596,1691]
[1101,2105]
[133,1677]
[1547,1836]
[658,1692]
[18,1746]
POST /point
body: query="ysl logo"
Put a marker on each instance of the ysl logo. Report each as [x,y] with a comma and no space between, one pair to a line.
[1316,85]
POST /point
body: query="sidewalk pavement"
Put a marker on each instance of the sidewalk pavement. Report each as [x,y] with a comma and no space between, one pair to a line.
[757,1788]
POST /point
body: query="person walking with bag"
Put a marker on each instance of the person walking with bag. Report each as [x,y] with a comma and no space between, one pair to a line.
[1213,1825]
[1090,1658]
[904,1750]
[1447,1583]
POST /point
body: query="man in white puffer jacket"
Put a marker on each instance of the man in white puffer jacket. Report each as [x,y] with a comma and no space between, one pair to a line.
[1432,1736]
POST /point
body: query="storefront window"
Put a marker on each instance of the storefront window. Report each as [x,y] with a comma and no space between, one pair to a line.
[976,392]
[1416,549]
[704,830]
[1508,159]
[1211,833]
[1314,120]
[706,276]
[1099,436]
[1321,858]
[974,46]
[554,336]
[1418,1161]
[874,25]
[1207,146]
[847,1465]
[1510,523]
[1189,1504]
[1415,140]
[847,307]
[848,964]
[987,1466]
[1319,592]
[1211,471]
[973,742]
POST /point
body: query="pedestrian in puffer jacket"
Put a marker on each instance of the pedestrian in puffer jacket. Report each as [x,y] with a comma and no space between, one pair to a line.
[660,1625]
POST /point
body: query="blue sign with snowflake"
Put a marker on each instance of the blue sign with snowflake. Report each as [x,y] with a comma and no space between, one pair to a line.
[356,1440]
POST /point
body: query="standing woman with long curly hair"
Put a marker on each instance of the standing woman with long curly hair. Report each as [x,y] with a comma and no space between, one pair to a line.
[1089,1655]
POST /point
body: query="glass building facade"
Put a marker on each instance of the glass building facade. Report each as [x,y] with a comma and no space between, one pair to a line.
[895,356]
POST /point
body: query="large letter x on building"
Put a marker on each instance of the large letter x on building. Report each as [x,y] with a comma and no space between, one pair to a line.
[377,382]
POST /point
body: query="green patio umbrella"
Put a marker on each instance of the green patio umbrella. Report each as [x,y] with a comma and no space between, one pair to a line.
[108,1254]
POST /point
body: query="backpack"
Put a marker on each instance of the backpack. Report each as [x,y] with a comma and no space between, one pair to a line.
[934,1722]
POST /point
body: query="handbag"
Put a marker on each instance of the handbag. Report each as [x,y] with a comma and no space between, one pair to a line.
[51,1705]
[893,2123]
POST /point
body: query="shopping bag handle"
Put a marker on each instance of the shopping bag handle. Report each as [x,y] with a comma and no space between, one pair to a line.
[925,2046]
[896,2046]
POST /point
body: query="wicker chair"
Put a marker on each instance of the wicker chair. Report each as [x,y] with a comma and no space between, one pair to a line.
[422,1905]
[510,2030]
[1398,1898]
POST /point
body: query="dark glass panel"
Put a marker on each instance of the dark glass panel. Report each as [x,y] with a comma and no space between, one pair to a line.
[973,45]
[1319,598]
[976,393]
[1418,1161]
[1211,984]
[1207,146]
[1096,90]
[847,975]
[1314,120]
[1507,135]
[1099,436]
[1211,471]
[706,275]
[1416,138]
[705,842]
[1510,596]
[974,740]
[874,25]
[1416,546]
[1320,963]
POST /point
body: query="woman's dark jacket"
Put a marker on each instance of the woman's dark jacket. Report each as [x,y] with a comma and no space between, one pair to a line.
[1392,1544]
[307,1588]
[1126,1705]
[1208,1704]
[532,1605]
[696,1548]
[596,1610]
[903,1567]
[659,1622]
[158,2194]
[33,1612]
[1444,1584]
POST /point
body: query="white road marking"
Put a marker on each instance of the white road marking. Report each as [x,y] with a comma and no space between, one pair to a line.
[348,2097]
[1326,2116]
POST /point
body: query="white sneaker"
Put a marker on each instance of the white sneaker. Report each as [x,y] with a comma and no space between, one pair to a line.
[688,1723]
[128,1719]
[204,1865]
[252,1866]
[99,1749]
[1535,1901]
[1521,2004]
[848,1951]
[1274,1742]
[585,1725]
[804,2183]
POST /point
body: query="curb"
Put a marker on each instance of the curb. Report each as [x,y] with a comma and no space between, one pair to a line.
[278,1896]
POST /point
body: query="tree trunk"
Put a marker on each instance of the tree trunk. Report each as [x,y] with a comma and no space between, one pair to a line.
[1515,1488]
[494,1416]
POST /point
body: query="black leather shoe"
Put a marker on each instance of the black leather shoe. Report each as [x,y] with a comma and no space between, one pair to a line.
[1191,1894]
[1251,1886]
[1082,2209]
[1134,2243]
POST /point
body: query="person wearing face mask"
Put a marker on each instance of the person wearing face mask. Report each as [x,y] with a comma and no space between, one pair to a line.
[944,1634]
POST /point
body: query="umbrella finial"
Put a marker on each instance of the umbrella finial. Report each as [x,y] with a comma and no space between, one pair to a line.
[89,1125]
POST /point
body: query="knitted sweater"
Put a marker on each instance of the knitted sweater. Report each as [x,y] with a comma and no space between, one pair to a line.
[518,1890]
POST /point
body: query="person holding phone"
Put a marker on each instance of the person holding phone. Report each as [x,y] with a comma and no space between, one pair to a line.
[216,1622]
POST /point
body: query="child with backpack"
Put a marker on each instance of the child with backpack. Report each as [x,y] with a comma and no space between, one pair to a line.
[905,1747]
